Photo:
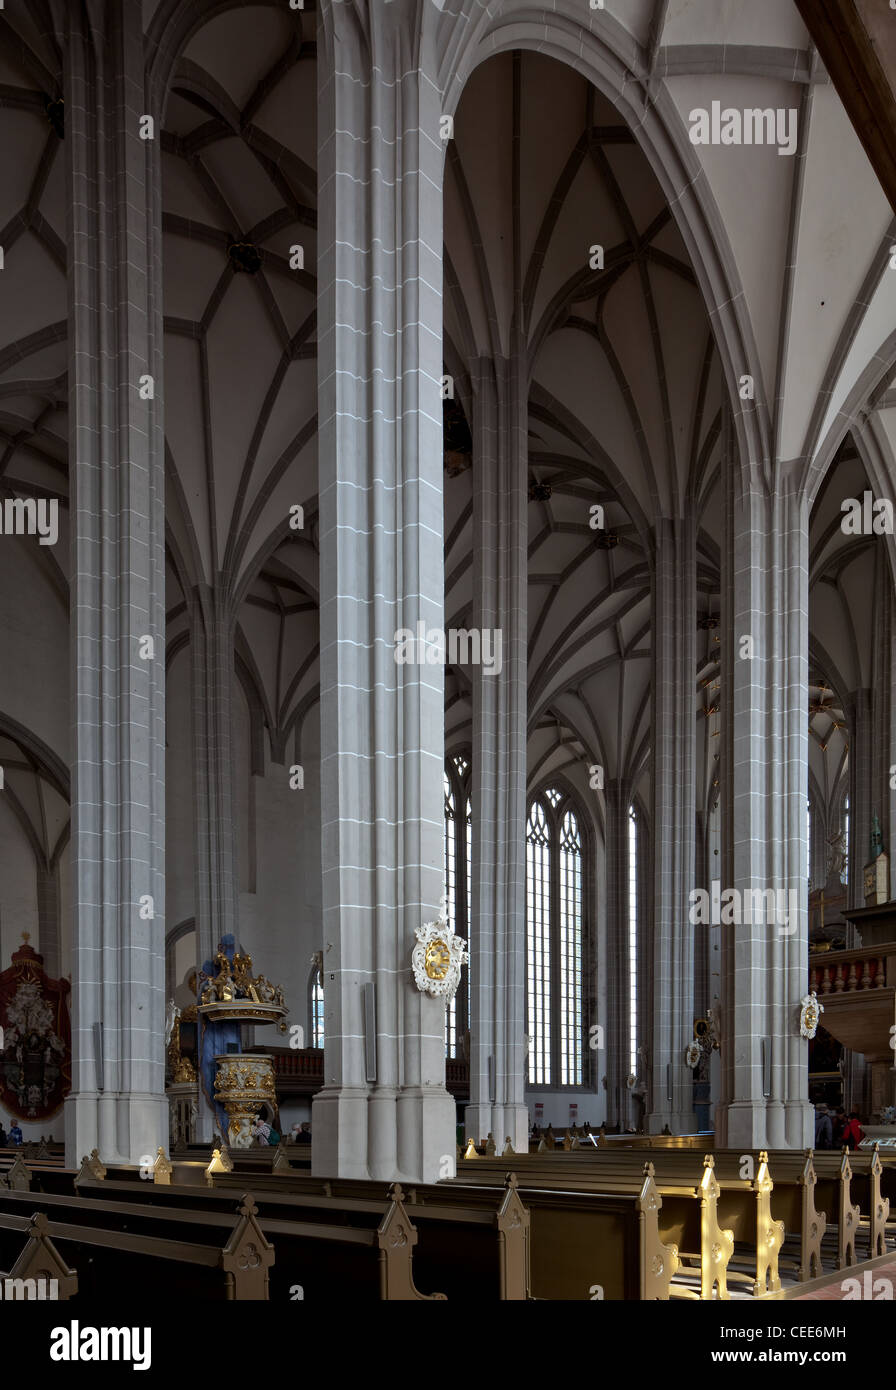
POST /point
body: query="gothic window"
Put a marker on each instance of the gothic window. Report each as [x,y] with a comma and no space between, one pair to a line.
[458,881]
[316,1007]
[555,931]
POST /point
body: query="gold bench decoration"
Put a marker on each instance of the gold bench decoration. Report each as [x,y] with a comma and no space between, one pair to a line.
[659,1263]
[718,1242]
[221,1162]
[769,1233]
[162,1169]
[437,958]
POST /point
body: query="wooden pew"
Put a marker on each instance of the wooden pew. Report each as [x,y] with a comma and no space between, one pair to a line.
[744,1208]
[372,1254]
[656,1262]
[227,1261]
[794,1201]
[868,1176]
[830,1197]
[39,1272]
[474,1245]
[468,1232]
[820,1184]
[686,1213]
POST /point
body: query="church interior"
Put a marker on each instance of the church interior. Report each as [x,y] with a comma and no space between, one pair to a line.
[448,608]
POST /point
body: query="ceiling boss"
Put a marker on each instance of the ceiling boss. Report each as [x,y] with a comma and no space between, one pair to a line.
[437,959]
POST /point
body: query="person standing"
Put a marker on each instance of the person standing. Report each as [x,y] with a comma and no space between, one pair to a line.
[839,1120]
[823,1131]
[853,1134]
[15,1134]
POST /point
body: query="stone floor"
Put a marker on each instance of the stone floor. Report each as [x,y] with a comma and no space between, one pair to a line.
[869,1285]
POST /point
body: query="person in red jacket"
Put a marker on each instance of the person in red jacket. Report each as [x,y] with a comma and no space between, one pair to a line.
[853,1134]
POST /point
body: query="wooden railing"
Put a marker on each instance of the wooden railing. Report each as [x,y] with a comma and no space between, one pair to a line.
[848,972]
[301,1070]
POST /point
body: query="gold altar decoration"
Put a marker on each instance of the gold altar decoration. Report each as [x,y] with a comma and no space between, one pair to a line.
[235,984]
[182,1070]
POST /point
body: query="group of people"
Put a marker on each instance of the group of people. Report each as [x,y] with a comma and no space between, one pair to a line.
[13,1139]
[834,1129]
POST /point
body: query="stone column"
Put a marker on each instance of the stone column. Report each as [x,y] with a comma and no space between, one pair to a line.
[859,711]
[673,645]
[500,579]
[764,782]
[214,764]
[382,570]
[617,798]
[117,1101]
[214,760]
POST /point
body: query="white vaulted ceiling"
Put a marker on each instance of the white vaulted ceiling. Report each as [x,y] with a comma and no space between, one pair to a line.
[625,396]
[239,153]
[626,369]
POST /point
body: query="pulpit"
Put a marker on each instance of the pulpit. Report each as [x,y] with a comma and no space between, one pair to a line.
[244,1082]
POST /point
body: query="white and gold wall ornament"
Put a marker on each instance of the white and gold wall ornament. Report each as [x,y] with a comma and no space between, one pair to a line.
[437,959]
[810,1014]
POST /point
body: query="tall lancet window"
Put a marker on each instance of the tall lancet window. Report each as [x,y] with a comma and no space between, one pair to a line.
[538,943]
[316,1006]
[555,932]
[458,878]
[570,951]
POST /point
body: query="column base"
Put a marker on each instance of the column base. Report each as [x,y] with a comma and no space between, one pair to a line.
[502,1122]
[799,1124]
[427,1133]
[339,1132]
[122,1128]
[406,1135]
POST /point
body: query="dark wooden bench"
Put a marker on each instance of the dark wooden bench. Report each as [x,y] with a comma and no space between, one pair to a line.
[474,1247]
[319,1253]
[473,1237]
[39,1273]
[110,1248]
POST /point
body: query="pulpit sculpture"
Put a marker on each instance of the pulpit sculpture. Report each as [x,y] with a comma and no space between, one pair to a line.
[237,1085]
